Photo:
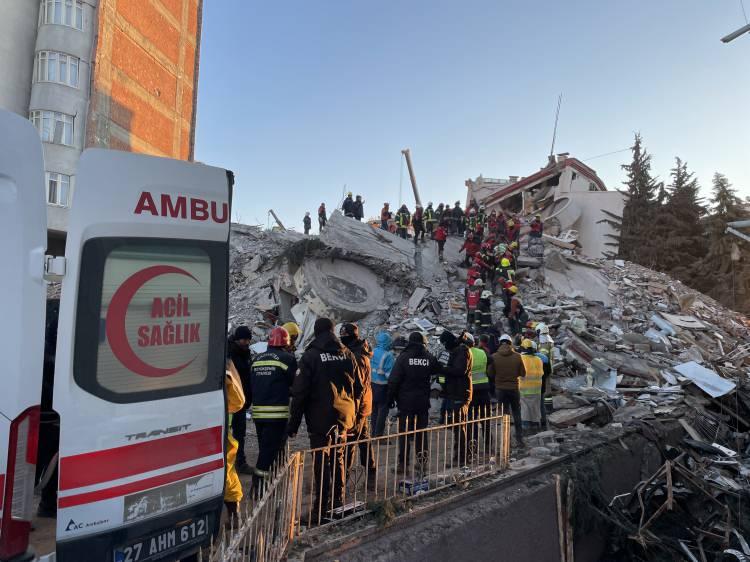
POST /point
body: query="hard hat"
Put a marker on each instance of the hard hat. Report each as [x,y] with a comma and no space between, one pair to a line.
[279,337]
[458,202]
[472,211]
[418,337]
[527,343]
[538,216]
[478,283]
[510,222]
[505,262]
[505,338]
[482,207]
[349,194]
[531,324]
[486,294]
[468,338]
[513,289]
[307,213]
[429,204]
[542,328]
[292,329]
[514,244]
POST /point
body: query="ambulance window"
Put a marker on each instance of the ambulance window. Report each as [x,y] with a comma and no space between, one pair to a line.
[150,318]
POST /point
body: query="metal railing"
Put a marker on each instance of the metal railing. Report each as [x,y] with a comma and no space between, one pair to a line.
[346,479]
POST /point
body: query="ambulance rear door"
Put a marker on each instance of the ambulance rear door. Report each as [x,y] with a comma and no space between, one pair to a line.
[140,359]
[23,239]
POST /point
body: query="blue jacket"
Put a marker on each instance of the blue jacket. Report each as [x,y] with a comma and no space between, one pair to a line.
[382,359]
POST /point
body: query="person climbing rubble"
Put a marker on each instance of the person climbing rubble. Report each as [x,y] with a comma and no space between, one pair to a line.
[348,206]
[480,395]
[530,386]
[403,221]
[385,216]
[440,236]
[409,388]
[418,224]
[382,363]
[455,368]
[326,391]
[505,370]
[430,220]
[322,217]
[271,377]
[359,210]
[307,223]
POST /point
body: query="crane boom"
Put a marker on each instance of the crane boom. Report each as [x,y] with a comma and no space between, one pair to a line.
[281,226]
[407,154]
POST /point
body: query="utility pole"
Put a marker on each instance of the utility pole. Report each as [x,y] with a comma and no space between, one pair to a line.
[278,221]
[407,154]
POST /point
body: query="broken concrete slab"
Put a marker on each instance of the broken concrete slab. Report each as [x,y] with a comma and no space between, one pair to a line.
[706,379]
[567,418]
[416,299]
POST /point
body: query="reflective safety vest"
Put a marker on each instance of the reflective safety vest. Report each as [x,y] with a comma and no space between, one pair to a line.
[270,412]
[479,377]
[531,384]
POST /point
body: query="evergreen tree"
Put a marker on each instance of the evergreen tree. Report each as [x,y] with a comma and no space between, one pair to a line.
[640,208]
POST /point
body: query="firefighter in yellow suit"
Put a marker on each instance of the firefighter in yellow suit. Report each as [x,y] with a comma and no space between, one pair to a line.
[235,401]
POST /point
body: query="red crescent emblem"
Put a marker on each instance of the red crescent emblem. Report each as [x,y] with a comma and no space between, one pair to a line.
[115,321]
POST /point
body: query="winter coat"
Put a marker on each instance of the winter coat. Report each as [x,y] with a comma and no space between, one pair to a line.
[382,358]
[363,353]
[409,384]
[458,213]
[505,368]
[307,222]
[385,214]
[440,234]
[456,368]
[417,218]
[327,388]
[359,211]
[271,376]
[348,207]
[241,358]
[322,212]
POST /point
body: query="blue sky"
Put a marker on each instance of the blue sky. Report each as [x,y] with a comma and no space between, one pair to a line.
[299,97]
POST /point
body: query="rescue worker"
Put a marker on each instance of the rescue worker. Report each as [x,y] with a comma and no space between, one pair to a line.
[359,211]
[326,390]
[430,220]
[349,335]
[482,215]
[440,214]
[385,216]
[348,206]
[506,271]
[458,219]
[483,313]
[307,223]
[382,363]
[409,387]
[512,230]
[417,222]
[322,217]
[271,377]
[517,315]
[537,227]
[403,221]
[440,235]
[530,386]
[455,368]
[480,395]
[239,353]
[492,223]
[472,246]
[471,221]
[473,294]
[543,354]
[505,370]
[235,403]
[294,332]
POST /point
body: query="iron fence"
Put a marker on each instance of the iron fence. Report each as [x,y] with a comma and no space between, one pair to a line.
[345,479]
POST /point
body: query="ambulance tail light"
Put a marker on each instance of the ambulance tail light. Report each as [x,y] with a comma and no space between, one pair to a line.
[18,499]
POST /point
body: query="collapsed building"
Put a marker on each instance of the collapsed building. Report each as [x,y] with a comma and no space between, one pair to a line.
[569,195]
[648,452]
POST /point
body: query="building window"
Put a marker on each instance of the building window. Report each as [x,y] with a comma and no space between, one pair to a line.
[592,187]
[574,176]
[53,127]
[58,189]
[62,12]
[57,67]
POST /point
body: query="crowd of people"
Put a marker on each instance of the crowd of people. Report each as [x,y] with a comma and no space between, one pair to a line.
[345,387]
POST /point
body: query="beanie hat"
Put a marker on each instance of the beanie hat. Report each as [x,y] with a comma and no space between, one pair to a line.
[243,333]
[322,325]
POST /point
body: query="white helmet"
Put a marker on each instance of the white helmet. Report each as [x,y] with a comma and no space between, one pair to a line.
[429,204]
[478,283]
[542,328]
[486,294]
[469,338]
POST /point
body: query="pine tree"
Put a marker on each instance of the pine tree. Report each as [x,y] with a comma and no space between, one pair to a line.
[637,216]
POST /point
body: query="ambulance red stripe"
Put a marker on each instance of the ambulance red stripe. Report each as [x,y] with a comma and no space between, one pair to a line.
[140,485]
[2,490]
[96,467]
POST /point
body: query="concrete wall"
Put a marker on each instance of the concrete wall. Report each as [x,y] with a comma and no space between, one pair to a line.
[591,233]
[18,27]
[145,77]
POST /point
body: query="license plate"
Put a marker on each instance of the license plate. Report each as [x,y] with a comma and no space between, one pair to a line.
[157,545]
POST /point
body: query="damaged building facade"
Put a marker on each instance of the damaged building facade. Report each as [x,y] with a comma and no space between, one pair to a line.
[569,195]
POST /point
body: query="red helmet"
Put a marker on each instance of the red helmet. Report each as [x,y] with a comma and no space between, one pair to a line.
[279,337]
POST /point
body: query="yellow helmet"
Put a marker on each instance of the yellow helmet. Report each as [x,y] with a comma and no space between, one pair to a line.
[514,244]
[513,289]
[505,262]
[293,329]
[527,343]
[511,222]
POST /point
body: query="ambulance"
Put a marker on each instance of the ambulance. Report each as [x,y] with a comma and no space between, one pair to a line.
[139,357]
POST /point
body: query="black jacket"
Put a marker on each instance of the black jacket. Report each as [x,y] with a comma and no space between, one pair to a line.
[457,372]
[363,354]
[359,211]
[348,207]
[242,358]
[307,222]
[409,382]
[271,376]
[327,388]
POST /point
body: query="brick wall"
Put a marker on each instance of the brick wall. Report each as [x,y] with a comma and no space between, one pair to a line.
[144,77]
